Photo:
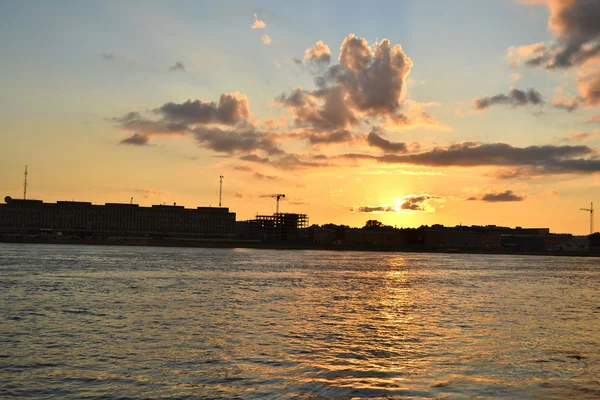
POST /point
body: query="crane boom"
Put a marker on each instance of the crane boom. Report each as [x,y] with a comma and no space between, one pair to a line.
[591,211]
[277,196]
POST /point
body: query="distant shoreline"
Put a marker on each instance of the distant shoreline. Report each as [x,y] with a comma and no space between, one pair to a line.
[250,244]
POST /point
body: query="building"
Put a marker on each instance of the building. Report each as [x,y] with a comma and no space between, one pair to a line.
[488,237]
[281,227]
[576,244]
[461,238]
[114,219]
[323,236]
[528,242]
[373,237]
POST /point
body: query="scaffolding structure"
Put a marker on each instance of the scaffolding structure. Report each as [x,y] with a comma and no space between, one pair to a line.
[282,226]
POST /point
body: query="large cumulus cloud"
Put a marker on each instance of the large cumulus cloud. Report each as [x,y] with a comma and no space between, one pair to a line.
[368,83]
[576,25]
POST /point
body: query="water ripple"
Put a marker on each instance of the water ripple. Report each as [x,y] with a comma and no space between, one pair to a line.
[102,322]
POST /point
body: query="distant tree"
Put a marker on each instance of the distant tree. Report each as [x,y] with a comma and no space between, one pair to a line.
[340,230]
[373,224]
[594,239]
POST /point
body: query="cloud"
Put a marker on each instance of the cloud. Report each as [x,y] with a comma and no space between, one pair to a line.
[515,98]
[319,54]
[287,161]
[526,51]
[339,136]
[272,123]
[258,24]
[411,202]
[496,197]
[579,136]
[233,141]
[266,39]
[260,176]
[136,139]
[293,161]
[550,193]
[371,209]
[108,56]
[582,136]
[178,117]
[238,195]
[125,61]
[368,84]
[148,194]
[231,109]
[329,112]
[206,122]
[532,159]
[576,25]
[298,203]
[134,121]
[375,140]
[374,79]
[420,202]
[588,82]
[177,67]
[254,158]
[567,105]
[254,173]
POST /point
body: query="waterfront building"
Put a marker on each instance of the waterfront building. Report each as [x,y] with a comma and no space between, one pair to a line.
[114,219]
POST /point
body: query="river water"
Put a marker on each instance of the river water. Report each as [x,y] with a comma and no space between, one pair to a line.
[123,322]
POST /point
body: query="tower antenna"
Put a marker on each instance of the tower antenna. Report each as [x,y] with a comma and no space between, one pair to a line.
[25,185]
[220,189]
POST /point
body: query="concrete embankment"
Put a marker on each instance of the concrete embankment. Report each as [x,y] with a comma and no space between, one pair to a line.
[254,244]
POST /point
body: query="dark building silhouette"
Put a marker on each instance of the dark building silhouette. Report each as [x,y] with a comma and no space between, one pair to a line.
[116,219]
[488,237]
[277,227]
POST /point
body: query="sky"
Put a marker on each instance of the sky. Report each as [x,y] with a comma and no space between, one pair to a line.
[411,112]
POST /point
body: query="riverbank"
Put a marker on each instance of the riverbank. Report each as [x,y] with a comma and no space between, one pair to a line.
[252,244]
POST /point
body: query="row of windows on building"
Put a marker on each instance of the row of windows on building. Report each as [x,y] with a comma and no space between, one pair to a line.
[50,216]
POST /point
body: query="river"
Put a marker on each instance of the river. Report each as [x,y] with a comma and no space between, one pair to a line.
[123,322]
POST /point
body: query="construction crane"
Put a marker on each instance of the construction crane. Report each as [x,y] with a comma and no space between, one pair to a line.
[591,211]
[278,197]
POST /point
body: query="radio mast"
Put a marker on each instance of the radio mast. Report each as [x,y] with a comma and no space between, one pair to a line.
[220,189]
[25,185]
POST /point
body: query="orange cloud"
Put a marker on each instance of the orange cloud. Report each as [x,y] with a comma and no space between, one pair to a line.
[258,24]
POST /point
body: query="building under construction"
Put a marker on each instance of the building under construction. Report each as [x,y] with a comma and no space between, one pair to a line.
[280,227]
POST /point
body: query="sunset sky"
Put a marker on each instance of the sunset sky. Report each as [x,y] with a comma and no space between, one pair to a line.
[411,112]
